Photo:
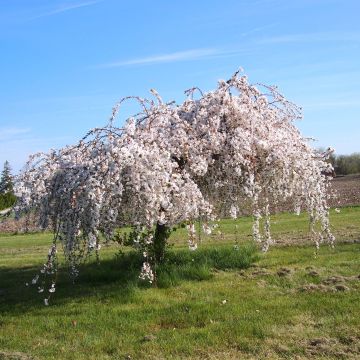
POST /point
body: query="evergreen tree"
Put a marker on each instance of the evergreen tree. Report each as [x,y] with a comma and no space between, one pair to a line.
[6,184]
[7,197]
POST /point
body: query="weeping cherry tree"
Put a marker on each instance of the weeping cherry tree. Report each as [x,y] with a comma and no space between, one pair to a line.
[173,164]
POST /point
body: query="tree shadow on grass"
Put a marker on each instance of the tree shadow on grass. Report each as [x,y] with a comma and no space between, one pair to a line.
[114,277]
[118,279]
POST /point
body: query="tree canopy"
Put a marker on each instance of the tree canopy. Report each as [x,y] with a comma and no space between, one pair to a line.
[172,164]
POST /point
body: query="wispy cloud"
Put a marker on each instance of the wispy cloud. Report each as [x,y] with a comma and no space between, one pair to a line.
[194,54]
[332,104]
[258,29]
[312,37]
[66,7]
[11,132]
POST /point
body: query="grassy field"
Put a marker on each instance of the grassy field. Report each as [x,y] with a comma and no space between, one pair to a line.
[283,304]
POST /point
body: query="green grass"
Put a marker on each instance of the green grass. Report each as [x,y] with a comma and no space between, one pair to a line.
[286,228]
[107,314]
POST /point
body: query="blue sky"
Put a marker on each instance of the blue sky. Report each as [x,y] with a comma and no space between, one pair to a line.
[64,64]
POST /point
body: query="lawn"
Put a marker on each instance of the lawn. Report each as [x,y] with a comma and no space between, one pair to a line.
[221,304]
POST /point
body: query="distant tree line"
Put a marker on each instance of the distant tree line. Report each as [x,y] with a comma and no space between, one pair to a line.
[7,197]
[346,164]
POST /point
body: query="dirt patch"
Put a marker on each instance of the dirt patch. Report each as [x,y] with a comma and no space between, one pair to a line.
[331,347]
[346,190]
[316,287]
[258,272]
[341,287]
[332,280]
[6,355]
[284,272]
[313,273]
[148,338]
[23,225]
[330,284]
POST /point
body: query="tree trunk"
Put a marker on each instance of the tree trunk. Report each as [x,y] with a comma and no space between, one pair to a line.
[161,236]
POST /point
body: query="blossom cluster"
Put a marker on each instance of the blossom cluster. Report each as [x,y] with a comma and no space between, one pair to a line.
[173,163]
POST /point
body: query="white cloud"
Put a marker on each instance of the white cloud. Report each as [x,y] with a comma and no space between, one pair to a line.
[258,29]
[65,8]
[194,54]
[9,133]
[332,104]
[312,37]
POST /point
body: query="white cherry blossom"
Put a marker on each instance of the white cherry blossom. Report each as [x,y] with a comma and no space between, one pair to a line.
[172,164]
